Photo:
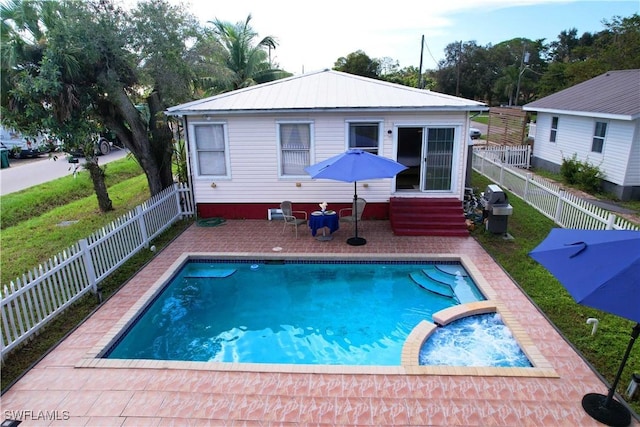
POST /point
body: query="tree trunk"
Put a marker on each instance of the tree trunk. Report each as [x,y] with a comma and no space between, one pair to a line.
[99,186]
[150,143]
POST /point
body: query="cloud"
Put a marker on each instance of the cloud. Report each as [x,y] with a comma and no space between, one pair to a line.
[313,35]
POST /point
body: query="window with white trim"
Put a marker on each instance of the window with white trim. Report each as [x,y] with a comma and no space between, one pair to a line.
[599,134]
[211,149]
[554,129]
[365,136]
[295,148]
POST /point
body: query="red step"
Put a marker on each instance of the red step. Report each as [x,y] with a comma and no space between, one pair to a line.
[424,216]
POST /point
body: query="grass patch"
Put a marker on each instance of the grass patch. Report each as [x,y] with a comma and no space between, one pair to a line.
[33,241]
[482,118]
[35,201]
[605,349]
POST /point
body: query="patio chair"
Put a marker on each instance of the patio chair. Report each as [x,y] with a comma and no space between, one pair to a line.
[292,217]
[349,214]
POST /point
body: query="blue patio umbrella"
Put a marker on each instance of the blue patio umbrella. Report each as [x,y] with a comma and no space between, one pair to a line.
[353,166]
[600,269]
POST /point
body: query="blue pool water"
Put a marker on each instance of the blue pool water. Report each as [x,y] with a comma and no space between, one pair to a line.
[293,312]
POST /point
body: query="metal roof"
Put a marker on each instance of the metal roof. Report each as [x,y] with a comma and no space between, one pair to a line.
[615,94]
[325,90]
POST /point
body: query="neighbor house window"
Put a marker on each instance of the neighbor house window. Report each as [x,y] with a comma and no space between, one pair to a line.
[598,137]
[295,148]
[554,129]
[211,149]
[364,136]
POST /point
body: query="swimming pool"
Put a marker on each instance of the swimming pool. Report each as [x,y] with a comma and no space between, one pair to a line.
[293,312]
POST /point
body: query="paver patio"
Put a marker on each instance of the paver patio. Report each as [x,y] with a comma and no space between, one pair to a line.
[198,395]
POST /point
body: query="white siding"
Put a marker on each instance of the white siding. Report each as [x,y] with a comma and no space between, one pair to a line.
[633,171]
[253,151]
[575,135]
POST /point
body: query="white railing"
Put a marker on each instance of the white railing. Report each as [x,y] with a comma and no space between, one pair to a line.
[565,209]
[514,155]
[30,302]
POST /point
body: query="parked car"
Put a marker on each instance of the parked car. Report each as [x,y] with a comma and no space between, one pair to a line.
[21,146]
[474,133]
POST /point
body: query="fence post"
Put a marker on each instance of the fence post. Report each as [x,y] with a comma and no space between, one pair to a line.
[89,268]
[142,225]
[528,159]
[559,207]
[611,220]
[525,195]
[178,194]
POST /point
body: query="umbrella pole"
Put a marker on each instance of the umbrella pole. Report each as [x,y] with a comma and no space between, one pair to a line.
[604,408]
[355,241]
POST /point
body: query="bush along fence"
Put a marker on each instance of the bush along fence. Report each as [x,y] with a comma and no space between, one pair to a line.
[565,209]
[30,302]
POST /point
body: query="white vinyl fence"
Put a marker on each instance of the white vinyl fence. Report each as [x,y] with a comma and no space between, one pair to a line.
[517,156]
[565,209]
[30,302]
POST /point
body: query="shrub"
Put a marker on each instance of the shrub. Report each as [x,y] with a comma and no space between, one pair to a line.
[584,175]
[570,169]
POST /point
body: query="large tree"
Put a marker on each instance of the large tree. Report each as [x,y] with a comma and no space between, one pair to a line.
[97,64]
[359,63]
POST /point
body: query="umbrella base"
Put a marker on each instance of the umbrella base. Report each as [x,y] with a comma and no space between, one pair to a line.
[356,241]
[616,414]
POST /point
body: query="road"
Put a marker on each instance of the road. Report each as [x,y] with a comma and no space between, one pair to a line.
[25,173]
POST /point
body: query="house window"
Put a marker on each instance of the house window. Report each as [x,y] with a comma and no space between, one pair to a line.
[598,137]
[554,129]
[364,136]
[295,148]
[211,149]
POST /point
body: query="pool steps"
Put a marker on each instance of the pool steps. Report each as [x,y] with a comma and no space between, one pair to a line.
[218,273]
[434,286]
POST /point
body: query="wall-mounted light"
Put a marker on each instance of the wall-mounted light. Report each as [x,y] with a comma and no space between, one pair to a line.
[389,131]
[298,184]
[213,185]
[365,185]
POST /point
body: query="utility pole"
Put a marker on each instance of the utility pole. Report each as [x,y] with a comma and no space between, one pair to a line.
[420,79]
[524,61]
[458,60]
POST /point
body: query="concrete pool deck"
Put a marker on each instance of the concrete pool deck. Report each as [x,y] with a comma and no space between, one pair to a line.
[58,392]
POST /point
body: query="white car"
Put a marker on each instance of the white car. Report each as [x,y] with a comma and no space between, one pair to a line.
[474,133]
[20,146]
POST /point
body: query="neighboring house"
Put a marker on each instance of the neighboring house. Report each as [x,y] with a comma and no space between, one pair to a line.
[248,148]
[597,120]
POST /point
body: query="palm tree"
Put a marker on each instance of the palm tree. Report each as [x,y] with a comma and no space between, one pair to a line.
[246,63]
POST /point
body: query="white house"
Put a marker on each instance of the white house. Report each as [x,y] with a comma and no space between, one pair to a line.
[248,148]
[597,120]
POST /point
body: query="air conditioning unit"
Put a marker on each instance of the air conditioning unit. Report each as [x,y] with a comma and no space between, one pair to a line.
[274,214]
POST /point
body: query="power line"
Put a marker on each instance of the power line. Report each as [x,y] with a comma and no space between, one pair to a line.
[430,54]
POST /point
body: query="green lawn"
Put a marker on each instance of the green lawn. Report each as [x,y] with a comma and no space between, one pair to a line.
[605,349]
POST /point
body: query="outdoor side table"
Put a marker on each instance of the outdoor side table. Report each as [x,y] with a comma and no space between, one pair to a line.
[323,220]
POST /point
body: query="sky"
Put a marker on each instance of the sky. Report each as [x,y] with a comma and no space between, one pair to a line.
[312,35]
